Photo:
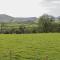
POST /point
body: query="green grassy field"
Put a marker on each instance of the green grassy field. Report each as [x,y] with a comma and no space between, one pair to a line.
[45,46]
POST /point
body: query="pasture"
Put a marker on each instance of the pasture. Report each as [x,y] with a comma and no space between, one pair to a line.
[43,46]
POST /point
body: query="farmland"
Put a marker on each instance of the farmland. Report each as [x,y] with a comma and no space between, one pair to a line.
[43,46]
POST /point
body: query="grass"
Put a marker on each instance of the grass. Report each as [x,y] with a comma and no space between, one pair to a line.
[45,46]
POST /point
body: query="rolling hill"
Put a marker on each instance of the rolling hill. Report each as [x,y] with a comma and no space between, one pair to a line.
[7,18]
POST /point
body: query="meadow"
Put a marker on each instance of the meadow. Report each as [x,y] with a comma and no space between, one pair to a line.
[43,46]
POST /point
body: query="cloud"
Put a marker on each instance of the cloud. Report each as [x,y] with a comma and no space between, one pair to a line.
[28,8]
[53,6]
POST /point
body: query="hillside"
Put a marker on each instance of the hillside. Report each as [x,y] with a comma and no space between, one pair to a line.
[6,18]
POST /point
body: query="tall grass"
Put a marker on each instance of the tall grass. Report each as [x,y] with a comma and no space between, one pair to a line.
[45,46]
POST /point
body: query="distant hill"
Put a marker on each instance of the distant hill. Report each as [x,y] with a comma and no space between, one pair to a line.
[6,18]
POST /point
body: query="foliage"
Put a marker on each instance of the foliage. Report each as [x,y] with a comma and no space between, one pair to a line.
[46,23]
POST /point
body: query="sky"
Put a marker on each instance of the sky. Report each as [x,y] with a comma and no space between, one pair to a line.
[30,8]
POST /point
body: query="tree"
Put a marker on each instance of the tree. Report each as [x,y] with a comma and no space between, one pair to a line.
[45,23]
[3,26]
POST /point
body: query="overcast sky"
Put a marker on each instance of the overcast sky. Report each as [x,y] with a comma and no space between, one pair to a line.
[28,8]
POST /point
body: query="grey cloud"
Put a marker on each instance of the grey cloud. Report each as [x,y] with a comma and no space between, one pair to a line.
[52,5]
[51,0]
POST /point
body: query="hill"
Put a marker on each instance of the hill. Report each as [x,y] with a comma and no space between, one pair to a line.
[6,18]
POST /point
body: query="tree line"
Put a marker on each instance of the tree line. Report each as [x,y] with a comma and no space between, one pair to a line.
[46,24]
